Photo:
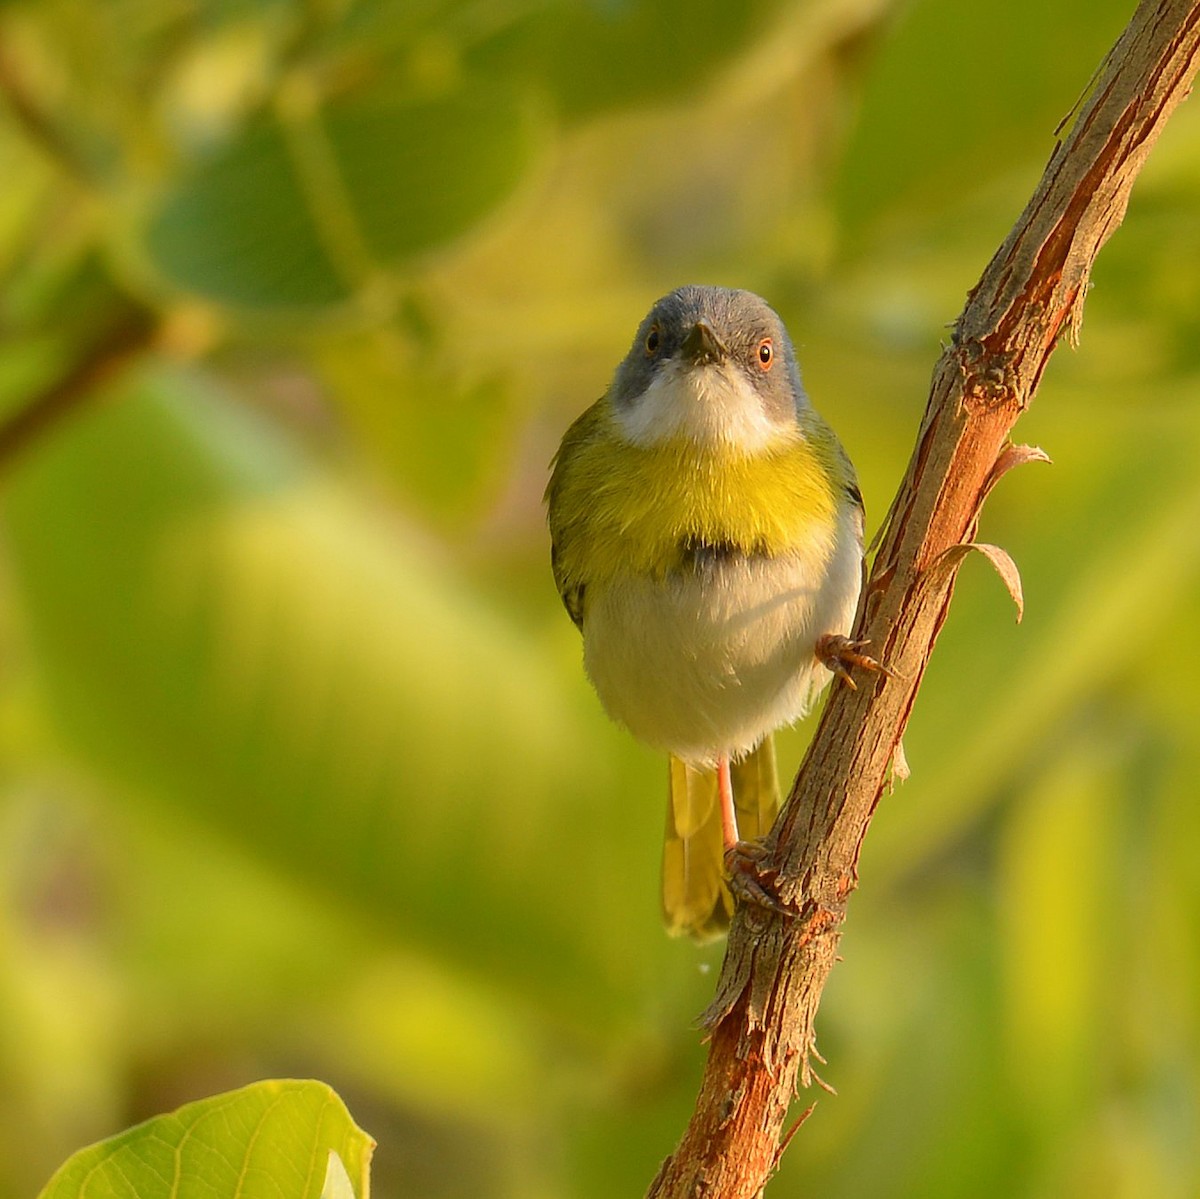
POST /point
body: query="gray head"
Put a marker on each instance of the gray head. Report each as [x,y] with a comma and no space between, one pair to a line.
[711,364]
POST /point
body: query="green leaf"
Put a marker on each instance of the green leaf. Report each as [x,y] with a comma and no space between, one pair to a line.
[299,214]
[238,229]
[419,174]
[270,1140]
[616,54]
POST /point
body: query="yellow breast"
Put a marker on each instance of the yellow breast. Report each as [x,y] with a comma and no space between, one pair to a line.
[618,509]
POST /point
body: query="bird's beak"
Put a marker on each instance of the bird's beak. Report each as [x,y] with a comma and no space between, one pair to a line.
[702,345]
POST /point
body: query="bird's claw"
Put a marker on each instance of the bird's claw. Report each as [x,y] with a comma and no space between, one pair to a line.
[839,654]
[746,880]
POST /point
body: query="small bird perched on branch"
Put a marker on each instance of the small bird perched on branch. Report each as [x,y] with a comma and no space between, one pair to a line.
[707,539]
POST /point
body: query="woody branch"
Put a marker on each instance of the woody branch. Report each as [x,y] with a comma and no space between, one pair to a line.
[762,1017]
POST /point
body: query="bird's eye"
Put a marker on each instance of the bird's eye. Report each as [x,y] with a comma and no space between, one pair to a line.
[766,353]
[652,340]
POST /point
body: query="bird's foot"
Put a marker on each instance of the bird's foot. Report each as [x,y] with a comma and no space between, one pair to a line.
[839,654]
[748,881]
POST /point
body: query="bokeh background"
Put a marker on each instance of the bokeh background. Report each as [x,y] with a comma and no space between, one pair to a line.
[300,772]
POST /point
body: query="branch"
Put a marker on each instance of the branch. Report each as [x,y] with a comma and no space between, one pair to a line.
[1032,291]
[96,364]
[37,124]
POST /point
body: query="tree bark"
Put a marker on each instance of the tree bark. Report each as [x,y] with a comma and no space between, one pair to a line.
[1032,291]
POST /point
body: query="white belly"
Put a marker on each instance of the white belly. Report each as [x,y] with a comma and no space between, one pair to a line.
[710,661]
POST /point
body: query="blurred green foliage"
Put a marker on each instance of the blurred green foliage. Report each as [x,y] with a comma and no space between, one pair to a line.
[301,773]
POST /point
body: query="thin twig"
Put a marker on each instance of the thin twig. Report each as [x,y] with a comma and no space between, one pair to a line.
[95,366]
[775,969]
[38,125]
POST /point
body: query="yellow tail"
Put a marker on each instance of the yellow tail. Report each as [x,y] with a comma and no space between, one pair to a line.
[696,898]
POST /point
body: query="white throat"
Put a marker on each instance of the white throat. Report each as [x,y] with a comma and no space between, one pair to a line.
[712,405]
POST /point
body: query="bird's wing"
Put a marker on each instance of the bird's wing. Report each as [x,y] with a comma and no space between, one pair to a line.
[567,528]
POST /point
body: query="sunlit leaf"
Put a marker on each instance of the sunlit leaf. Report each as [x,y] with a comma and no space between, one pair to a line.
[271,1140]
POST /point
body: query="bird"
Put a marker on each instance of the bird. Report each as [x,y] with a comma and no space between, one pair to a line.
[706,531]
